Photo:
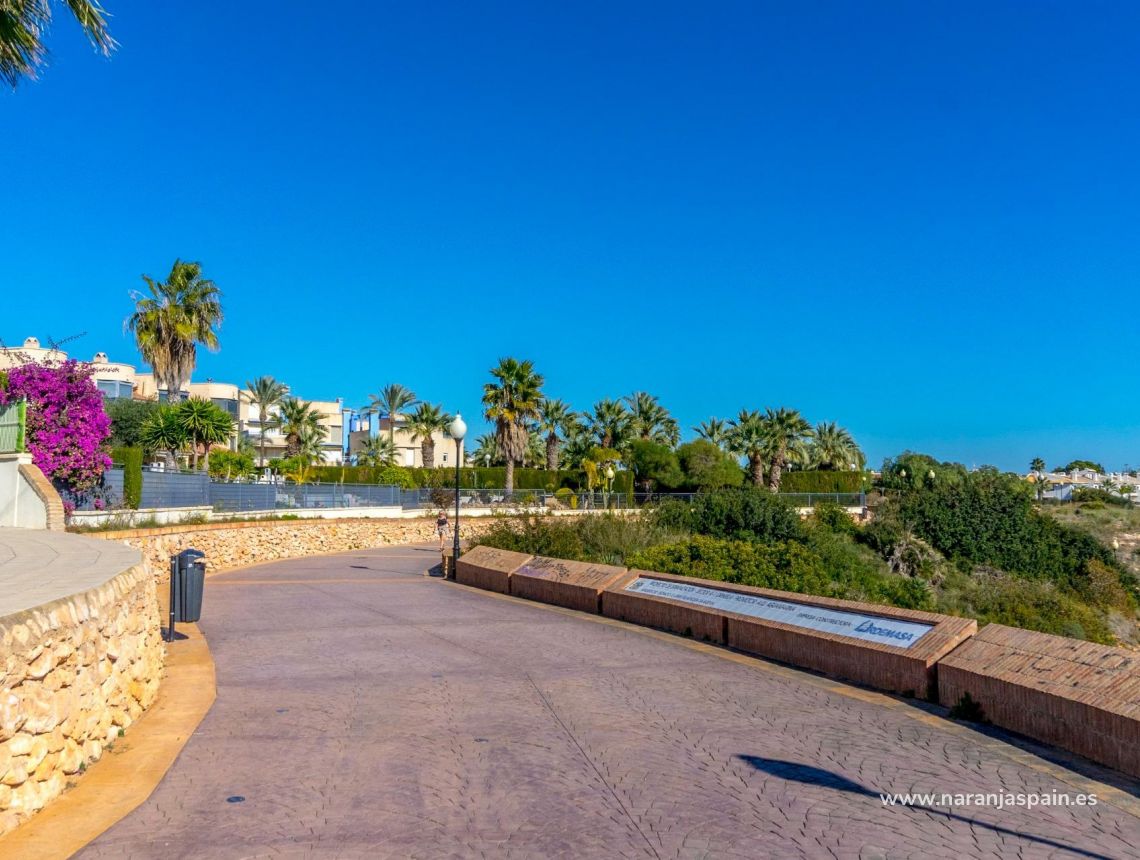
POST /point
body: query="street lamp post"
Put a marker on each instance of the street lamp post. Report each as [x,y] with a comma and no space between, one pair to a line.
[609,483]
[458,430]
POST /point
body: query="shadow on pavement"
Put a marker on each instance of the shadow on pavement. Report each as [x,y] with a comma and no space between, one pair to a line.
[810,775]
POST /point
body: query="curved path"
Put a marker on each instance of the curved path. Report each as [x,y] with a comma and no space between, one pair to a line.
[366,710]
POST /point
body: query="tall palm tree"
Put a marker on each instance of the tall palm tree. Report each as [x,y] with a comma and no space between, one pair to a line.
[486,451]
[833,448]
[785,430]
[552,418]
[205,424]
[177,316]
[747,437]
[610,423]
[298,420]
[1037,465]
[377,451]
[266,392]
[578,444]
[650,420]
[310,444]
[391,400]
[715,431]
[426,420]
[511,402]
[23,24]
[163,431]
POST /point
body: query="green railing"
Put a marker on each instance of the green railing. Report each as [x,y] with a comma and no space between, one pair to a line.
[13,419]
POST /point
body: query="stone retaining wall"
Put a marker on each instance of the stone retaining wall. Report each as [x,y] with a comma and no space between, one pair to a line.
[75,673]
[231,545]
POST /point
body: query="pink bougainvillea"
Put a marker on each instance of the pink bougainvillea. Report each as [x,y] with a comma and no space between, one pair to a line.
[67,427]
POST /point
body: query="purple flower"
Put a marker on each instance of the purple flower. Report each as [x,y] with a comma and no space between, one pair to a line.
[67,429]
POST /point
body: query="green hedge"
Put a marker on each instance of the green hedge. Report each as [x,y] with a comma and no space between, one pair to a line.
[822,482]
[490,478]
[131,459]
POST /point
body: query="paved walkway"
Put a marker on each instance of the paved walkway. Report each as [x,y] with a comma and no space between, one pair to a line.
[37,567]
[365,710]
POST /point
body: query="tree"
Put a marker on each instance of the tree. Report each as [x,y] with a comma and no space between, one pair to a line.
[377,451]
[127,419]
[648,419]
[553,416]
[785,430]
[1037,465]
[1075,465]
[163,431]
[748,438]
[265,392]
[707,467]
[610,423]
[832,448]
[23,24]
[310,445]
[654,465]
[486,452]
[391,399]
[578,442]
[170,323]
[204,424]
[66,428]
[512,402]
[714,430]
[426,420]
[298,420]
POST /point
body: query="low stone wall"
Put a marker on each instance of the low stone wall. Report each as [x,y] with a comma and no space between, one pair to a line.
[76,672]
[1077,695]
[489,568]
[648,610]
[231,545]
[572,584]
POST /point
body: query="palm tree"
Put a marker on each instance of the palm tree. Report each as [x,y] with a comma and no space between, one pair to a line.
[377,451]
[535,452]
[170,323]
[163,431]
[552,418]
[833,448]
[579,442]
[205,424]
[23,24]
[715,431]
[747,437]
[426,420]
[310,444]
[1037,465]
[785,430]
[298,420]
[650,420]
[511,402]
[486,451]
[390,401]
[610,423]
[266,392]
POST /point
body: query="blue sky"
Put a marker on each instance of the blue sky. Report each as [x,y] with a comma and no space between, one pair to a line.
[919,220]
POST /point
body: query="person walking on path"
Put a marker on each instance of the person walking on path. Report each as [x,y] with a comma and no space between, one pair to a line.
[443,529]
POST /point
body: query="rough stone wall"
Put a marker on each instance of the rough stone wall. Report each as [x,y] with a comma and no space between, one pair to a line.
[75,673]
[230,545]
[49,498]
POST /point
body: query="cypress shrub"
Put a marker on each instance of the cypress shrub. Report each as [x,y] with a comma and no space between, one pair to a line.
[131,459]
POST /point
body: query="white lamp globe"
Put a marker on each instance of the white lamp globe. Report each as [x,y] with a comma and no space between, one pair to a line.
[457,429]
[610,472]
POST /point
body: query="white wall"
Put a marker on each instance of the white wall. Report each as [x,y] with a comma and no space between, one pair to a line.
[20,506]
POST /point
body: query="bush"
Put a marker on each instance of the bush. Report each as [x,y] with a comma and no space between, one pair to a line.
[834,517]
[228,465]
[127,417]
[748,514]
[822,482]
[1104,497]
[603,538]
[131,459]
[707,467]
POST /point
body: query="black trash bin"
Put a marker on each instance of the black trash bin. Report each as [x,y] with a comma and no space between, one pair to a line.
[191,582]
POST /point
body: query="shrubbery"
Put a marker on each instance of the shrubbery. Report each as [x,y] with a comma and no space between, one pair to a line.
[749,514]
[604,538]
[131,459]
[823,482]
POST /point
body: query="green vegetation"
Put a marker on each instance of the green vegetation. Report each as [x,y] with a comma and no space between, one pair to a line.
[131,459]
[127,419]
[951,541]
[23,25]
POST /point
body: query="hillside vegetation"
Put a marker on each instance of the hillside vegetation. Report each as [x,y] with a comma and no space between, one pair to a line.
[969,544]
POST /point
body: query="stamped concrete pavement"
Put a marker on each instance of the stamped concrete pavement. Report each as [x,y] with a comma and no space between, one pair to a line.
[367,710]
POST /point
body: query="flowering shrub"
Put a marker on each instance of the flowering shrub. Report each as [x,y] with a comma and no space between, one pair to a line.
[67,428]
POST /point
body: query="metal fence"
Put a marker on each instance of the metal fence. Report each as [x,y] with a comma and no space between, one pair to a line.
[195,489]
[12,423]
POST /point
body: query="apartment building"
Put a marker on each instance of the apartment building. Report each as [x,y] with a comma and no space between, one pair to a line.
[409,450]
[114,379]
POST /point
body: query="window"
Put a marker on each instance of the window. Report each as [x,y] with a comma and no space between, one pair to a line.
[228,405]
[445,458]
